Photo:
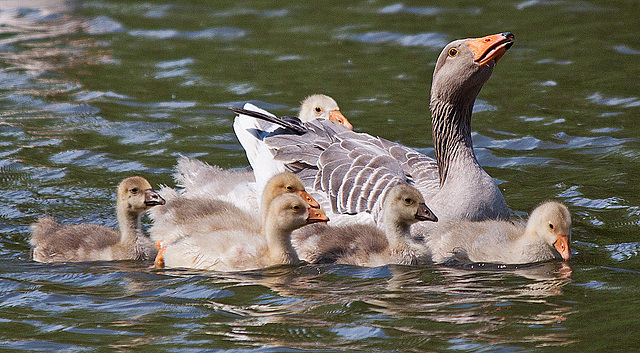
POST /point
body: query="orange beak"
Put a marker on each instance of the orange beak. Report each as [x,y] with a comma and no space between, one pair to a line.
[491,47]
[310,200]
[562,245]
[316,216]
[336,116]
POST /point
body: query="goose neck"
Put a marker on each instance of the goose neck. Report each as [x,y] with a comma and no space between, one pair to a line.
[129,223]
[451,129]
[279,248]
[397,234]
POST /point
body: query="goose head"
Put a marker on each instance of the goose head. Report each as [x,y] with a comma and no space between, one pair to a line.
[405,205]
[465,65]
[136,195]
[320,106]
[289,212]
[286,183]
[551,221]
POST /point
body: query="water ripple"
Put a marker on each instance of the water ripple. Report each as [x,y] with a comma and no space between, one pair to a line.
[41,346]
[91,160]
[586,141]
[12,80]
[554,62]
[623,49]
[222,33]
[85,95]
[160,105]
[624,251]
[482,105]
[354,333]
[427,11]
[433,40]
[568,5]
[178,63]
[240,88]
[191,291]
[103,25]
[598,98]
[606,203]
[130,132]
[27,101]
[247,11]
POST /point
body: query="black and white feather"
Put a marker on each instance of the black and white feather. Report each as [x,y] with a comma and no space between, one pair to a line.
[348,172]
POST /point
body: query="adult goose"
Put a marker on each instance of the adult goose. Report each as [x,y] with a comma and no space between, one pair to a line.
[349,173]
[367,245]
[54,242]
[246,246]
[545,236]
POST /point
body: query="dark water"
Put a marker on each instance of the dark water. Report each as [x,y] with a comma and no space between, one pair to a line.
[93,91]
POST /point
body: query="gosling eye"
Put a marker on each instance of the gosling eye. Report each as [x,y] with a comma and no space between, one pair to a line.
[289,188]
[318,110]
[551,226]
[408,201]
[134,190]
[295,208]
[453,52]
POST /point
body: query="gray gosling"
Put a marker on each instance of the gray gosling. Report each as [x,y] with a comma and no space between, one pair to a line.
[366,245]
[54,242]
[183,215]
[242,247]
[545,236]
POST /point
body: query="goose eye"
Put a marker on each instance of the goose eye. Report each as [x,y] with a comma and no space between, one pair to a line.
[550,225]
[134,191]
[453,52]
[289,188]
[318,110]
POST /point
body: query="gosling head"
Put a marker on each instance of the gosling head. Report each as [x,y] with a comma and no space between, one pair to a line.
[290,212]
[286,183]
[319,106]
[137,195]
[405,204]
[551,221]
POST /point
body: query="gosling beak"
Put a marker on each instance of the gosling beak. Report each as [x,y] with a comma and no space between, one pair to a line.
[152,198]
[316,216]
[336,116]
[490,47]
[562,246]
[310,200]
[425,214]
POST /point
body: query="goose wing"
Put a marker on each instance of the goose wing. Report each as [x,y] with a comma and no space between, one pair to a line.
[348,171]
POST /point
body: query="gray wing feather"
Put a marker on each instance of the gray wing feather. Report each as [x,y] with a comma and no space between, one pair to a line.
[337,177]
[353,170]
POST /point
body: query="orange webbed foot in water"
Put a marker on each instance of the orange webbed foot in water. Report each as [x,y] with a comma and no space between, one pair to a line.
[159,261]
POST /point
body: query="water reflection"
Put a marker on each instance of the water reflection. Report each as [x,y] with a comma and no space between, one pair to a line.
[364,303]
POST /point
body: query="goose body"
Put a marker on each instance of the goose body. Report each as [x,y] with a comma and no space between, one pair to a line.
[54,242]
[245,246]
[545,236]
[367,245]
[350,173]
